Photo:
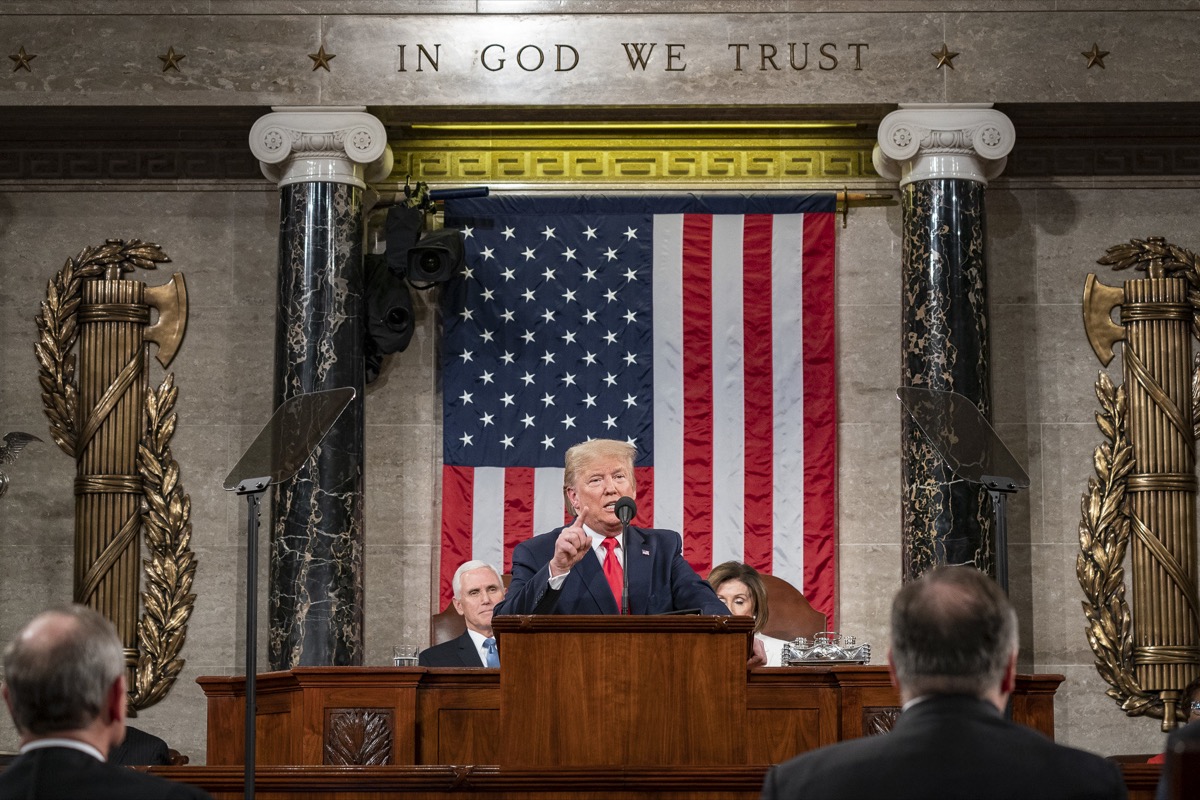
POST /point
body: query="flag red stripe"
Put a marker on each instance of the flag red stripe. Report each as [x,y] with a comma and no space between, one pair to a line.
[518,510]
[820,416]
[645,496]
[458,484]
[758,400]
[697,390]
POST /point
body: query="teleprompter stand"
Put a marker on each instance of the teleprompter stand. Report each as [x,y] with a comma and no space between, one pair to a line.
[278,452]
[971,449]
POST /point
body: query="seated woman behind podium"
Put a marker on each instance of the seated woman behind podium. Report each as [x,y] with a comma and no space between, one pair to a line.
[741,589]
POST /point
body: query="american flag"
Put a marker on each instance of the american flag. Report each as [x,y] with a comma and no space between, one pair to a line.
[700,328]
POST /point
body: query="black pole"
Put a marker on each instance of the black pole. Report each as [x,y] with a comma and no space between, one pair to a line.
[1000,509]
[253,500]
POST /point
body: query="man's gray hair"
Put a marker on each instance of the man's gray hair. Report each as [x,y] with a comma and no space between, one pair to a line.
[60,681]
[456,581]
[953,632]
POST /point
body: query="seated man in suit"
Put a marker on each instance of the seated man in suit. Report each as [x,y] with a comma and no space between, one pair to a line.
[140,749]
[953,657]
[578,569]
[64,682]
[478,587]
[1190,734]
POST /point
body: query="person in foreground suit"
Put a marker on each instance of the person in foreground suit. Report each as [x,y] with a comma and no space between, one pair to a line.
[64,683]
[567,571]
[478,587]
[1189,733]
[953,657]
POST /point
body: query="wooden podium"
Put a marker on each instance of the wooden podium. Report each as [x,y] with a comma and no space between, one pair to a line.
[623,691]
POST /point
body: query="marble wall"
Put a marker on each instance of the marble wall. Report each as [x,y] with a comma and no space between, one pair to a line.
[1044,239]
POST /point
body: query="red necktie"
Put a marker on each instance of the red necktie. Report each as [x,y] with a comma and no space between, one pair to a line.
[612,568]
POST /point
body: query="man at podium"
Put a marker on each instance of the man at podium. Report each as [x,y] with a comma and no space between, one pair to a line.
[579,568]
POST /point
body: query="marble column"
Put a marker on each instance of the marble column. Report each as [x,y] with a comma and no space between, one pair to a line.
[943,157]
[321,158]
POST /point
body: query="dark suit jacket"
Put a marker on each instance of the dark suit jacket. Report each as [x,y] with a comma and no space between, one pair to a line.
[458,652]
[659,579]
[1188,733]
[140,749]
[946,747]
[60,773]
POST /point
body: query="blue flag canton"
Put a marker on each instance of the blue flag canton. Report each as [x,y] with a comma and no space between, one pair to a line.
[548,338]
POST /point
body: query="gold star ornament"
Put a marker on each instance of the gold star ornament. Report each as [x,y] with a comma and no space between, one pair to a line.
[171,59]
[321,59]
[1095,56]
[22,59]
[945,57]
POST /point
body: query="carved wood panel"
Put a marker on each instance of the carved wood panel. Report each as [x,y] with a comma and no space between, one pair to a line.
[358,736]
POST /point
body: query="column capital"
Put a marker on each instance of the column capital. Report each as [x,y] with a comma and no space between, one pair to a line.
[336,144]
[923,141]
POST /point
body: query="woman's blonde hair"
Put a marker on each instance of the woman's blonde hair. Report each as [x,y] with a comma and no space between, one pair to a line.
[737,571]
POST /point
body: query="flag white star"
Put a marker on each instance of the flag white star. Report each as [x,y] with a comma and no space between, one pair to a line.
[632,441]
[610,254]
[589,316]
[569,254]
[487,253]
[509,233]
[610,379]
[548,358]
[630,275]
[465,439]
[548,274]
[630,317]
[610,337]
[467,273]
[509,274]
[630,233]
[467,231]
[630,400]
[467,314]
[569,296]
[589,400]
[548,315]
[568,379]
[610,422]
[548,441]
[528,337]
[507,441]
[488,294]
[528,378]
[569,337]
[465,397]
[507,358]
[486,419]
[528,253]
[547,399]
[507,315]
[611,295]
[528,420]
[589,232]
[528,295]
[589,359]
[485,335]
[507,399]
[630,359]
[465,356]
[486,377]
[590,274]
[548,233]
[568,422]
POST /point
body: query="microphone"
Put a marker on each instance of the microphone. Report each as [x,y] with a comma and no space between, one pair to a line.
[625,509]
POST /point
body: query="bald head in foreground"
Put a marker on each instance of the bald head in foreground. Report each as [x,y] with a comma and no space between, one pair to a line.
[64,683]
[953,657]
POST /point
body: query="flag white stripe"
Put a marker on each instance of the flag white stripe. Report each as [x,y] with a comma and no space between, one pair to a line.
[547,499]
[787,337]
[729,412]
[487,515]
[668,371]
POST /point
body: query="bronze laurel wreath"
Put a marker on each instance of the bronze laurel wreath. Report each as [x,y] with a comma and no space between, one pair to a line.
[1104,528]
[169,569]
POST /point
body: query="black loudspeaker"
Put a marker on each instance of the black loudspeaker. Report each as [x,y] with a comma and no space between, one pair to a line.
[401,231]
[436,256]
[389,313]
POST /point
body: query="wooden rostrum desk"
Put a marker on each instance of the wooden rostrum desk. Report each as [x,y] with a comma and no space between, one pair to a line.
[584,707]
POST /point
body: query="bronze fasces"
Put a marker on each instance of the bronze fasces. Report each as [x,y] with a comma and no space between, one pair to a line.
[1139,510]
[94,327]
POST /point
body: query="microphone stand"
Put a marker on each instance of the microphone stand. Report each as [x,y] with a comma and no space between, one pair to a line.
[624,609]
